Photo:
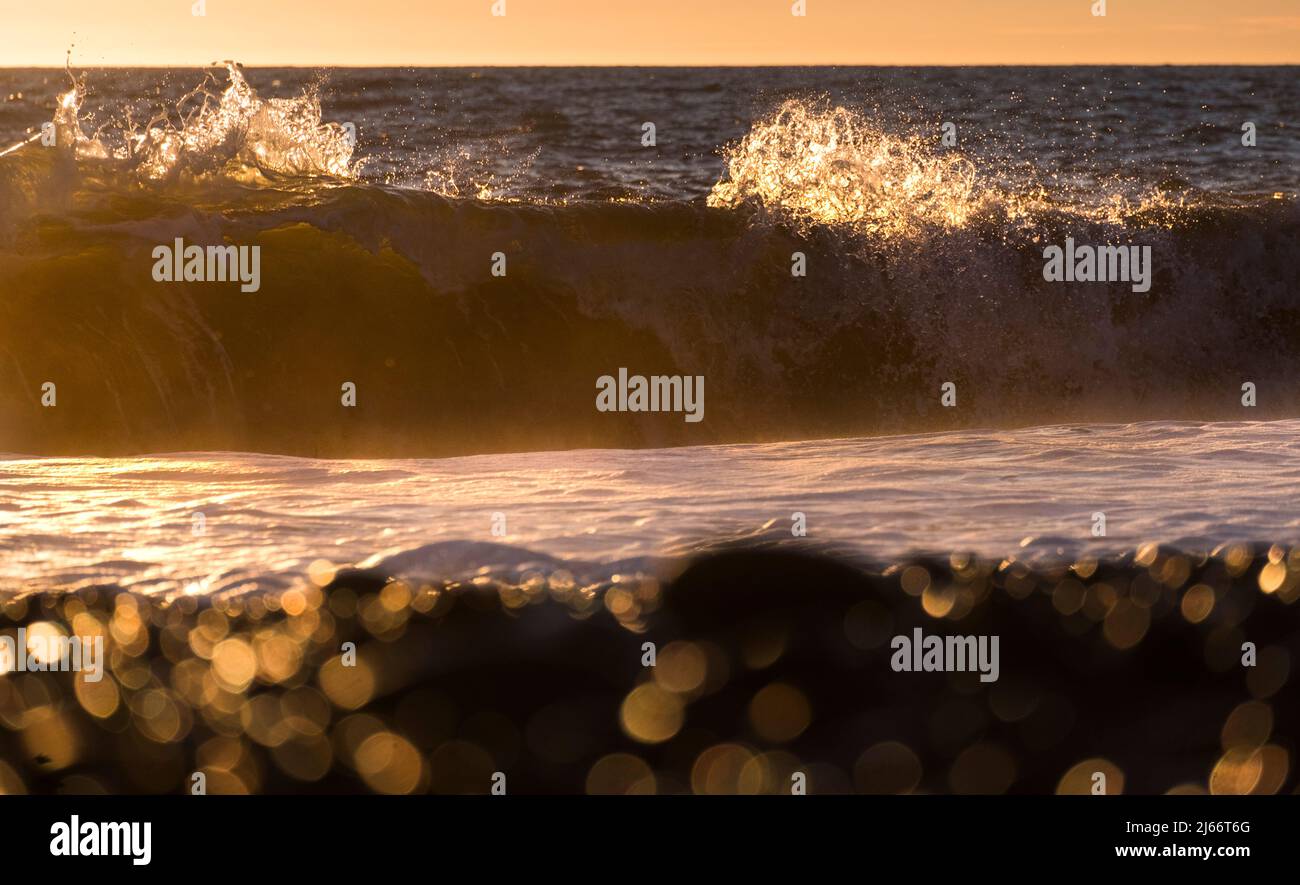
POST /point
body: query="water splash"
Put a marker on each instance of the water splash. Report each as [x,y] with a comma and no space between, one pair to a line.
[813,164]
[233,131]
[810,164]
[487,173]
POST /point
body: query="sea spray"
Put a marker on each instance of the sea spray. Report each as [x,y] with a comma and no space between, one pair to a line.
[212,130]
[821,165]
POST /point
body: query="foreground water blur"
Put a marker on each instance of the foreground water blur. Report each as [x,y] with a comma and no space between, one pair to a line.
[770,673]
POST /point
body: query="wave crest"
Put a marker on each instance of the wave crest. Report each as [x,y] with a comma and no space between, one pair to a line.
[231,131]
[814,164]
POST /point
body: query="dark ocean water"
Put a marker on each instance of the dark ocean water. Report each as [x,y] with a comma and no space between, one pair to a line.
[547,133]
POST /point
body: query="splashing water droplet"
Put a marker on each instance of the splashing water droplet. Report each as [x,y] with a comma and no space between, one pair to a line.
[227,133]
[809,163]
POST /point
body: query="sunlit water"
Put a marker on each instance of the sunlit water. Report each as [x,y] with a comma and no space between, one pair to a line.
[548,134]
[1143,154]
[268,522]
[924,256]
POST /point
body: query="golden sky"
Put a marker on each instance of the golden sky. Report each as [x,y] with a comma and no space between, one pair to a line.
[649,32]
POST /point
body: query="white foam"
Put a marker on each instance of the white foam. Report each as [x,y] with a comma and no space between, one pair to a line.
[65,522]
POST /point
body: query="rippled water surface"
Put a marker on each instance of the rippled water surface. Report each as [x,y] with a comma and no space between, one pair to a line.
[265,520]
[555,133]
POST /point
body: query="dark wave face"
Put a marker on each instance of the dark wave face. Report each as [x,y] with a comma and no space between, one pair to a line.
[924,263]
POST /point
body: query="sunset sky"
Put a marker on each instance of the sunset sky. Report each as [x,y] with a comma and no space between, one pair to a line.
[649,32]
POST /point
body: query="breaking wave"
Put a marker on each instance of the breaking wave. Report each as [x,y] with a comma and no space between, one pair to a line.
[922,269]
[230,130]
[810,164]
[815,165]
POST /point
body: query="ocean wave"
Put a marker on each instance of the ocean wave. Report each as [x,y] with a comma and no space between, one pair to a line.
[816,165]
[211,131]
[813,164]
[920,271]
